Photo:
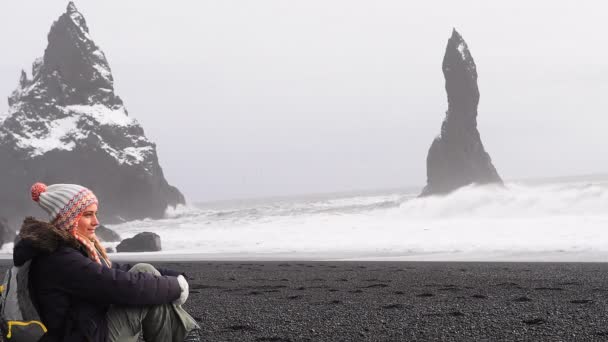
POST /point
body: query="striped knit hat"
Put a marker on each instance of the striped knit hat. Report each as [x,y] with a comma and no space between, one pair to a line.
[63,202]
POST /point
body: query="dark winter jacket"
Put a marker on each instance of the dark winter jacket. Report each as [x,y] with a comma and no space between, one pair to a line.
[73,293]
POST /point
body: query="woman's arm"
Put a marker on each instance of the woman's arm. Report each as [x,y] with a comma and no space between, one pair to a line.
[122,267]
[86,279]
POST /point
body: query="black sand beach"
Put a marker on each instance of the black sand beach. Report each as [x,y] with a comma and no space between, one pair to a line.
[397,301]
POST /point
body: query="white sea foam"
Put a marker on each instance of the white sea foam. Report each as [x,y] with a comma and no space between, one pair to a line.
[472,223]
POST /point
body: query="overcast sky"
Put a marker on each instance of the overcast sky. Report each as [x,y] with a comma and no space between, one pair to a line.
[263,98]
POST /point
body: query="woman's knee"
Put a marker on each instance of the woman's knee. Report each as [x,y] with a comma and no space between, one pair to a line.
[144,268]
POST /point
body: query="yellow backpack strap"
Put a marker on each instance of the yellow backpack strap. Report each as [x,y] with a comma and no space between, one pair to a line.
[22,323]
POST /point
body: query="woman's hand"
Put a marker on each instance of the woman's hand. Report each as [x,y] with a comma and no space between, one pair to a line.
[183,284]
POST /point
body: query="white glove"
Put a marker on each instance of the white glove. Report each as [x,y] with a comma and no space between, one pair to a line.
[183,284]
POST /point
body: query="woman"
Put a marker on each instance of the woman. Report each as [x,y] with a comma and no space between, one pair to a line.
[80,294]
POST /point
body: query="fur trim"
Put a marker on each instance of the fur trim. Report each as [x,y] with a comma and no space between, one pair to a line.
[45,236]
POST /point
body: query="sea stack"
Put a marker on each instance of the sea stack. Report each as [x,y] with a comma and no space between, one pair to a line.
[457,157]
[66,125]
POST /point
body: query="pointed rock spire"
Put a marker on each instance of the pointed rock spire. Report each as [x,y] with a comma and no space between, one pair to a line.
[460,77]
[23,79]
[457,157]
[71,7]
[73,70]
[65,124]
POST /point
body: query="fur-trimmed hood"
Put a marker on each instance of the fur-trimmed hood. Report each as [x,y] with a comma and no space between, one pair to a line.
[39,237]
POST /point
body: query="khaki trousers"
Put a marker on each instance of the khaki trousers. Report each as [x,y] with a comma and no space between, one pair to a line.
[158,323]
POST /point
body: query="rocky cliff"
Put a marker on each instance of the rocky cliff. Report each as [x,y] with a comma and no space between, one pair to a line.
[457,157]
[66,125]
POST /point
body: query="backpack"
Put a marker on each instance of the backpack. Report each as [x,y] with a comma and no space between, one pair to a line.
[19,318]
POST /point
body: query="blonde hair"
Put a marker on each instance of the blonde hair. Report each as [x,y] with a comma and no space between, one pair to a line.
[102,250]
[92,245]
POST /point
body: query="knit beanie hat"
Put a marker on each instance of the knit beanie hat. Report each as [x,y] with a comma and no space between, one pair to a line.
[63,202]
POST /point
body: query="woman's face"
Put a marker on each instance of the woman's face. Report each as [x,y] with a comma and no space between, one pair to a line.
[88,222]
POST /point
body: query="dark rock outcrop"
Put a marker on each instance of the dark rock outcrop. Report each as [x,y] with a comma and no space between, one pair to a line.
[66,125]
[142,242]
[457,157]
[6,234]
[106,234]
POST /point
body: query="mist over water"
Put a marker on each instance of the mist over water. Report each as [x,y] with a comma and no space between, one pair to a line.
[529,220]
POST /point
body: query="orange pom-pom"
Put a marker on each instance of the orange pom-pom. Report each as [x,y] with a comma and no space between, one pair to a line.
[37,189]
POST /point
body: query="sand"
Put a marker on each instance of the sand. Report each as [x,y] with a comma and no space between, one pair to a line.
[397,301]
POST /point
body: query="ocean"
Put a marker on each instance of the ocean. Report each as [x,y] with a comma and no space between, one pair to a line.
[543,220]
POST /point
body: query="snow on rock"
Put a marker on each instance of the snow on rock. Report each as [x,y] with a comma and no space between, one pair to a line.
[102,114]
[56,137]
[461,48]
[66,124]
